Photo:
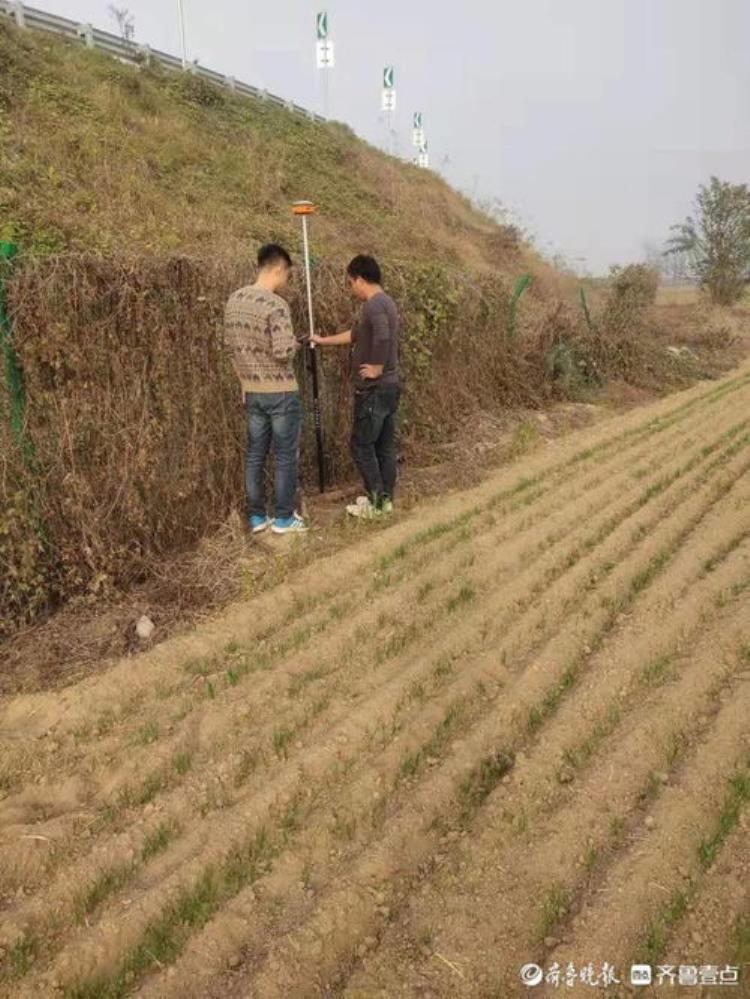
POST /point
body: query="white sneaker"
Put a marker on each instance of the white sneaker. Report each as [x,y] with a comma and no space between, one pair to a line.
[291,525]
[363,509]
[259,524]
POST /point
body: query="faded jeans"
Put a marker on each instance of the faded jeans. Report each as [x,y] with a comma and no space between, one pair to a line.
[272,418]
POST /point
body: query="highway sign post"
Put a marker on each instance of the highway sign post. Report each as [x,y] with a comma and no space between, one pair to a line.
[389,89]
[417,130]
[389,102]
[324,53]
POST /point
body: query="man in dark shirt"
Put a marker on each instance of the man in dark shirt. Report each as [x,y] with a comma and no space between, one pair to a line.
[377,387]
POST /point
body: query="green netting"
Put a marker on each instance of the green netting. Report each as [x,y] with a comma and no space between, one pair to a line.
[12,375]
[13,385]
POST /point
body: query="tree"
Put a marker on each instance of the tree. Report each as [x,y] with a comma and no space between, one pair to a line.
[718,239]
[125,21]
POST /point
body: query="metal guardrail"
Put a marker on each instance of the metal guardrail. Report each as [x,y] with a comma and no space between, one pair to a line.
[132,52]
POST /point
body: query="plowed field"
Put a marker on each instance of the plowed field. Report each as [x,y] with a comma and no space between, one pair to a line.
[513,728]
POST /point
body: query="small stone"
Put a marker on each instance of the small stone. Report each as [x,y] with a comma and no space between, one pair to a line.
[565,775]
[649,822]
[550,942]
[663,777]
[235,961]
[370,942]
[144,628]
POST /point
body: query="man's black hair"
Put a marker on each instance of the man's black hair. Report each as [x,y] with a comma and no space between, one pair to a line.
[365,267]
[272,254]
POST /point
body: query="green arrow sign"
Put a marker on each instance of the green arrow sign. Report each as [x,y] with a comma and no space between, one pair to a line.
[321,24]
[389,76]
[417,119]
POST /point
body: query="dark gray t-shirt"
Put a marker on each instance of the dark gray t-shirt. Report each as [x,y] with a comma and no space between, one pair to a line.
[375,341]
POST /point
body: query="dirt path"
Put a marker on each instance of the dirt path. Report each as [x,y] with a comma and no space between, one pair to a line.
[512,729]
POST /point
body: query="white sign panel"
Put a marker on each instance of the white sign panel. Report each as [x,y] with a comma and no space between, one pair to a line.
[389,100]
[417,137]
[324,54]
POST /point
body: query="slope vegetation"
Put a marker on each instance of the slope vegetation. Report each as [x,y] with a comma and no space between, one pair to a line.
[99,155]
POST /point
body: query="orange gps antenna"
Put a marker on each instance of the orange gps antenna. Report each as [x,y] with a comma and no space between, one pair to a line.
[303,209]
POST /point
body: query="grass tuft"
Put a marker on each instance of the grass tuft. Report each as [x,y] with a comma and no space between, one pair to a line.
[482,780]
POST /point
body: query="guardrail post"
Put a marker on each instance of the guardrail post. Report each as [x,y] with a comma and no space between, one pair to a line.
[144,53]
[18,12]
[230,83]
[263,94]
[311,115]
[289,105]
[86,32]
[192,67]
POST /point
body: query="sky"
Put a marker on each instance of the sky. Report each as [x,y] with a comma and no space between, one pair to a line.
[591,121]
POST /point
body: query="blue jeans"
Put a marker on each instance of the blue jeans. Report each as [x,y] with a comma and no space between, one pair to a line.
[272,417]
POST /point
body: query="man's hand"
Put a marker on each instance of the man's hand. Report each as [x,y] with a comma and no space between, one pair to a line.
[315,338]
[333,341]
[370,370]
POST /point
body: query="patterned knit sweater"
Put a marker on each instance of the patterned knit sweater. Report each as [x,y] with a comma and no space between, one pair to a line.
[258,332]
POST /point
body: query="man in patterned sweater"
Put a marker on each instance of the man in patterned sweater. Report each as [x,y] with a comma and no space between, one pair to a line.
[259,334]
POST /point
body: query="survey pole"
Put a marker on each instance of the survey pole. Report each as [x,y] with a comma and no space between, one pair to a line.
[304,209]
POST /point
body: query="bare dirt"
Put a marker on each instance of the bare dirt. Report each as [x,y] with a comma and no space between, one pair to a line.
[512,728]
